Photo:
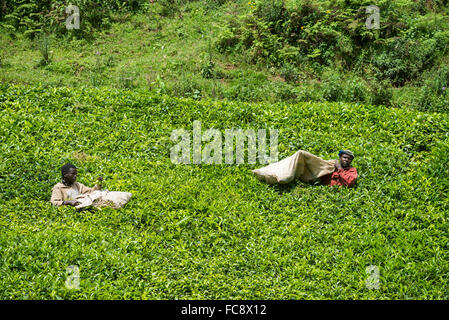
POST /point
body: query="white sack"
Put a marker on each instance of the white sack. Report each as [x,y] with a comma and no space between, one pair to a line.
[302,165]
[103,198]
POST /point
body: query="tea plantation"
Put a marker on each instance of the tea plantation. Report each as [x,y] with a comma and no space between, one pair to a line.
[204,231]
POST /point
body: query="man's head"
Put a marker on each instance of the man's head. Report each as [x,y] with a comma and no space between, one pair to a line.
[69,173]
[346,157]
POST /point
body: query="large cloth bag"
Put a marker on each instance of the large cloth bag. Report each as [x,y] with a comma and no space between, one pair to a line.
[302,165]
[103,198]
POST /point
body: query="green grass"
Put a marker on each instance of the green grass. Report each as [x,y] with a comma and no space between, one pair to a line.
[145,51]
[215,231]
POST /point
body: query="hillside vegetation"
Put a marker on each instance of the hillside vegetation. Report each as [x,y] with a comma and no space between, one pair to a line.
[257,50]
[214,231]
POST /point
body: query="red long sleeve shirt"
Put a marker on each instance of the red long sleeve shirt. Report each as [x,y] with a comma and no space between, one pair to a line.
[341,177]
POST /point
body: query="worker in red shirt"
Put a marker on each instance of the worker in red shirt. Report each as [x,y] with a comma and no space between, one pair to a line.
[344,174]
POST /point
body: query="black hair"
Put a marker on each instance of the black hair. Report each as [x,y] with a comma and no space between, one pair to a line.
[65,168]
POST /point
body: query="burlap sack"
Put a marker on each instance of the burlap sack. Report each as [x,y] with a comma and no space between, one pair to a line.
[302,165]
[104,198]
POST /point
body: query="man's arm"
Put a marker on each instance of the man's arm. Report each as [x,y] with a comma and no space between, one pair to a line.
[57,197]
[83,189]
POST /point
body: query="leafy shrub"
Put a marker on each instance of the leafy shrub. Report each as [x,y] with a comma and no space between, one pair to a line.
[290,73]
[207,69]
[354,89]
[429,100]
[434,93]
[332,87]
[32,16]
[214,231]
[23,14]
[168,8]
[272,12]
[406,59]
[207,65]
[186,87]
[439,165]
[227,39]
[391,67]
[381,93]
[215,4]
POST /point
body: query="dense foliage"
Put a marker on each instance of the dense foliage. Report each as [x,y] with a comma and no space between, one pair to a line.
[32,17]
[214,231]
[329,33]
[332,40]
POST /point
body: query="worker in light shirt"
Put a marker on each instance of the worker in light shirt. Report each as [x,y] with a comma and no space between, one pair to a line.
[65,192]
[344,174]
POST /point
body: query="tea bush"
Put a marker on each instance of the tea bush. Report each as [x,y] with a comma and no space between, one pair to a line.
[214,231]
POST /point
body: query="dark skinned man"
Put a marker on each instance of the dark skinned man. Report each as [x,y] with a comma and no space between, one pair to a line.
[65,192]
[344,174]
